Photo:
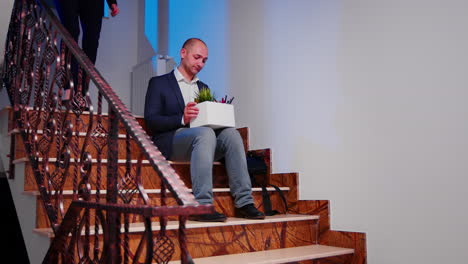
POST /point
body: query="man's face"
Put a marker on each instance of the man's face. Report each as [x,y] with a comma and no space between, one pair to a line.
[194,58]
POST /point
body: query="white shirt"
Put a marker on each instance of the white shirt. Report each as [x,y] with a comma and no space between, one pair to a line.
[189,89]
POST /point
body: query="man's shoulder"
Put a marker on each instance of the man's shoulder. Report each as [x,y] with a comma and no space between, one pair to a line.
[165,78]
[167,75]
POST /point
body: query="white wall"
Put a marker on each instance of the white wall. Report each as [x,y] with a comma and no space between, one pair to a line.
[367,100]
[5,13]
[118,52]
[186,19]
[145,50]
[206,20]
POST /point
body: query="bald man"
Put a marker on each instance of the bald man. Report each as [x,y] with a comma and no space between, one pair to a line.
[169,108]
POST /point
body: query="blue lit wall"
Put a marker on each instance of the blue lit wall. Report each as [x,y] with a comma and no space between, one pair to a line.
[106,9]
[151,23]
[207,20]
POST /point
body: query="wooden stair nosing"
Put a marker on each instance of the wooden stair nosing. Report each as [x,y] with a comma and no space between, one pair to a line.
[30,108]
[120,161]
[80,134]
[276,256]
[157,191]
[173,225]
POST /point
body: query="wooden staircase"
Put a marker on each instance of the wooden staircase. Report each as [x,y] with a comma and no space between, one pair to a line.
[92,188]
[301,235]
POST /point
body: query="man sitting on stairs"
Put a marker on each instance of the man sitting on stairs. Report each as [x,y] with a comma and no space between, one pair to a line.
[169,108]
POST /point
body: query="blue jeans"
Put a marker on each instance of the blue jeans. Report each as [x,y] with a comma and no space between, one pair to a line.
[202,146]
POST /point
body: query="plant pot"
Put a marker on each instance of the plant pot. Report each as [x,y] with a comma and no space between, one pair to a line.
[214,115]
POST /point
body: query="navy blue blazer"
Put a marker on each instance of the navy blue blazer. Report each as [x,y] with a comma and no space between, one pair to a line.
[164,108]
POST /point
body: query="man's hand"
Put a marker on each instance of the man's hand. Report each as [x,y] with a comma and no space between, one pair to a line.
[190,112]
[114,10]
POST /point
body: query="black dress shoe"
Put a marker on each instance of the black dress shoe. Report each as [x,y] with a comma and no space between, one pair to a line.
[250,212]
[214,217]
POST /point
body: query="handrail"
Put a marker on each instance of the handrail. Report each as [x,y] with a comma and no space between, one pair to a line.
[160,164]
[41,60]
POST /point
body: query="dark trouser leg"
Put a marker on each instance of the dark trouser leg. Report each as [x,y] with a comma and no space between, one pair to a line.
[91,12]
[68,11]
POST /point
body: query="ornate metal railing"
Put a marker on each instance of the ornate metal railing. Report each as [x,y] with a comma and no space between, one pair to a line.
[41,59]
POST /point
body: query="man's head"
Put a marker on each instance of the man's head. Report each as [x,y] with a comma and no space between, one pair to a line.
[194,54]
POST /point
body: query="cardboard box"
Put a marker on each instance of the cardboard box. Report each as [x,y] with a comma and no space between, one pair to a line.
[214,115]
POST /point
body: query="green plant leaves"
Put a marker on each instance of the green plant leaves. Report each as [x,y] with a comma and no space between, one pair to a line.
[204,95]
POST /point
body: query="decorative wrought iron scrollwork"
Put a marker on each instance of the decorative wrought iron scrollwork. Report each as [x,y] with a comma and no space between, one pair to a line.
[39,67]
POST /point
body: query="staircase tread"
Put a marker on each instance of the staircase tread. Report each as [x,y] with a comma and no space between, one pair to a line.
[274,256]
[231,221]
[120,161]
[151,191]
[29,108]
[81,134]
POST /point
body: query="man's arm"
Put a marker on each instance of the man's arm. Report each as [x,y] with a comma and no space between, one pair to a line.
[157,103]
[114,7]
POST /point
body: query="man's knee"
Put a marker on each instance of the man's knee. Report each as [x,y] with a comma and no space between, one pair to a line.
[204,134]
[231,134]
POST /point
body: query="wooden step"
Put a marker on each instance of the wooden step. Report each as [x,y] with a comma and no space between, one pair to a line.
[231,221]
[150,179]
[158,191]
[223,202]
[237,235]
[276,256]
[135,151]
[82,124]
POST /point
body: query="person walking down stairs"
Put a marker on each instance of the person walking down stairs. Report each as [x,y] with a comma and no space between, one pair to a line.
[169,108]
[89,13]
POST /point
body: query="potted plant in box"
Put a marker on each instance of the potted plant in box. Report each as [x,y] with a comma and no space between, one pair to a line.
[213,113]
